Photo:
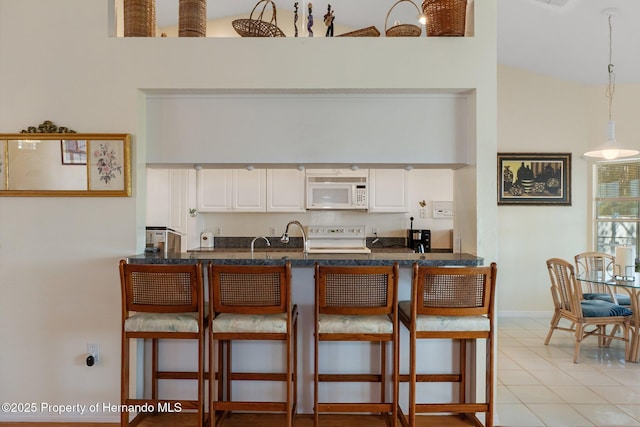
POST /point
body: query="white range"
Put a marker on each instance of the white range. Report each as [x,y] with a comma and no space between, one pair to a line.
[332,239]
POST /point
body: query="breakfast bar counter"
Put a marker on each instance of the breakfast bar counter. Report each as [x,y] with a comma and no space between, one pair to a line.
[354,356]
[402,256]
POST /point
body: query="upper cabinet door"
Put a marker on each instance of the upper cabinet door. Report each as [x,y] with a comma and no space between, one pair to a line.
[167,198]
[388,190]
[215,190]
[285,190]
[249,190]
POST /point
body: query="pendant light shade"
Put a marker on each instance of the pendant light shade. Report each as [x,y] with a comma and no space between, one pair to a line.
[611,149]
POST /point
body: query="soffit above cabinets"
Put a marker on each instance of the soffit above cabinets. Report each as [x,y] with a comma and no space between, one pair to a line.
[309,129]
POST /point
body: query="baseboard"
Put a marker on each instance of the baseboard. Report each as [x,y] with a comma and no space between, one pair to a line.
[534,314]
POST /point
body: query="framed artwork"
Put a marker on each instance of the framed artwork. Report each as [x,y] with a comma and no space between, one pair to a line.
[534,179]
[108,165]
[3,165]
[74,152]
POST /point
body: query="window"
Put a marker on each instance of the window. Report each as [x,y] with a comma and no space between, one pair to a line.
[617,204]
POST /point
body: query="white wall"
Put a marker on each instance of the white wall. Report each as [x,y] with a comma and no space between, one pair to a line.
[58,256]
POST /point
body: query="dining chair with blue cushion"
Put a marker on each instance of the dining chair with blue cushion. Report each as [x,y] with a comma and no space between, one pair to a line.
[569,305]
[598,263]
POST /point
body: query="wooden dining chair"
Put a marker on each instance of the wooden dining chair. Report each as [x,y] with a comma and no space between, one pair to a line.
[581,313]
[454,303]
[251,303]
[357,303]
[601,263]
[162,302]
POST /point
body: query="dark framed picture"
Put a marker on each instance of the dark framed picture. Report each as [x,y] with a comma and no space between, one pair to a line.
[74,152]
[534,179]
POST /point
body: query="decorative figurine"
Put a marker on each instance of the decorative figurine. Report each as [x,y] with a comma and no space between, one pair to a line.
[328,21]
[295,18]
[310,20]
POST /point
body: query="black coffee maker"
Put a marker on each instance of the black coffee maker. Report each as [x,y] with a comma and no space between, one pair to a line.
[419,240]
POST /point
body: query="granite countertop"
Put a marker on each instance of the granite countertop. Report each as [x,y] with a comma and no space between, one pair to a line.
[266,256]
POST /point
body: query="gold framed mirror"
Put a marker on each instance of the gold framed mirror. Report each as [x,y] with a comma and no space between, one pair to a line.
[65,164]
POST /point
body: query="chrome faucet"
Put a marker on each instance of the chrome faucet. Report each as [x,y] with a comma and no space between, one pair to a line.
[285,235]
[260,237]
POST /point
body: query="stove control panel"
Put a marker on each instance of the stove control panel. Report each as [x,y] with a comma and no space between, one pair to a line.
[336,232]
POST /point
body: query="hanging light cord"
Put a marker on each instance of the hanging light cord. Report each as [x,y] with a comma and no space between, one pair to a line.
[611,88]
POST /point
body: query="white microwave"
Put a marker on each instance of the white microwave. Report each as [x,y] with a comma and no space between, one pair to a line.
[337,192]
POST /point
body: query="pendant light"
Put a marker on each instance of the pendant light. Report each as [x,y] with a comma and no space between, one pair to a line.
[611,149]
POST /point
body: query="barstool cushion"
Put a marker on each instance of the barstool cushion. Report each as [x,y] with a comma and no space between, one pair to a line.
[354,324]
[250,323]
[162,322]
[446,323]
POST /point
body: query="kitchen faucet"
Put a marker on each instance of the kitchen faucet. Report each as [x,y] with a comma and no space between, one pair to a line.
[260,237]
[285,235]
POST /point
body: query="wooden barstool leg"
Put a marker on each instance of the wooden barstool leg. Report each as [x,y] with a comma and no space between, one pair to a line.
[315,383]
[462,392]
[412,379]
[383,371]
[124,379]
[154,368]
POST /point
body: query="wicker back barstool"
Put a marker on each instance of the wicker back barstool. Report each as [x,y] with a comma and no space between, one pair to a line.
[357,304]
[453,303]
[162,302]
[251,302]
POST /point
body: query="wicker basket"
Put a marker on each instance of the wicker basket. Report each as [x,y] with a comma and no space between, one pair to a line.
[138,18]
[445,17]
[192,18]
[363,32]
[257,27]
[402,30]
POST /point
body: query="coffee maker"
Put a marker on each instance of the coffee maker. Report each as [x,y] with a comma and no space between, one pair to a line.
[419,240]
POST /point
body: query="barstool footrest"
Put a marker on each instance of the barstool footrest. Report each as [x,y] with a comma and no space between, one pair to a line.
[459,408]
[355,407]
[370,378]
[257,376]
[250,406]
[433,378]
[176,375]
[159,404]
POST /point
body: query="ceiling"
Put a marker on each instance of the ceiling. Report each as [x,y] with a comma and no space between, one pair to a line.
[567,39]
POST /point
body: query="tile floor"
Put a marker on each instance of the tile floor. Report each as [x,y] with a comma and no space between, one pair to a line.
[540,385]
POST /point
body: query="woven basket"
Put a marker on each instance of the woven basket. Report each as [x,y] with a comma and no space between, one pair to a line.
[138,18]
[363,32]
[445,17]
[257,27]
[192,18]
[402,30]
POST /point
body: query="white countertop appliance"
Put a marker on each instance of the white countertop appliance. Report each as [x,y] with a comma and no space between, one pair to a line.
[340,239]
[163,240]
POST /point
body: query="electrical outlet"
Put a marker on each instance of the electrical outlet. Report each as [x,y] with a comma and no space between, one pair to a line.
[217,231]
[374,230]
[272,231]
[93,349]
[423,212]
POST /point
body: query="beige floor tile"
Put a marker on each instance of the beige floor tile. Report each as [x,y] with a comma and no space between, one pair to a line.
[536,363]
[517,378]
[534,394]
[593,377]
[578,394]
[517,415]
[505,362]
[621,395]
[553,377]
[606,415]
[559,415]
[504,395]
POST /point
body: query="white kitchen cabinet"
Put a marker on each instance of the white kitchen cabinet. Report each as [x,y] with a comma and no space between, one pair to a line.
[167,198]
[285,190]
[231,190]
[388,190]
